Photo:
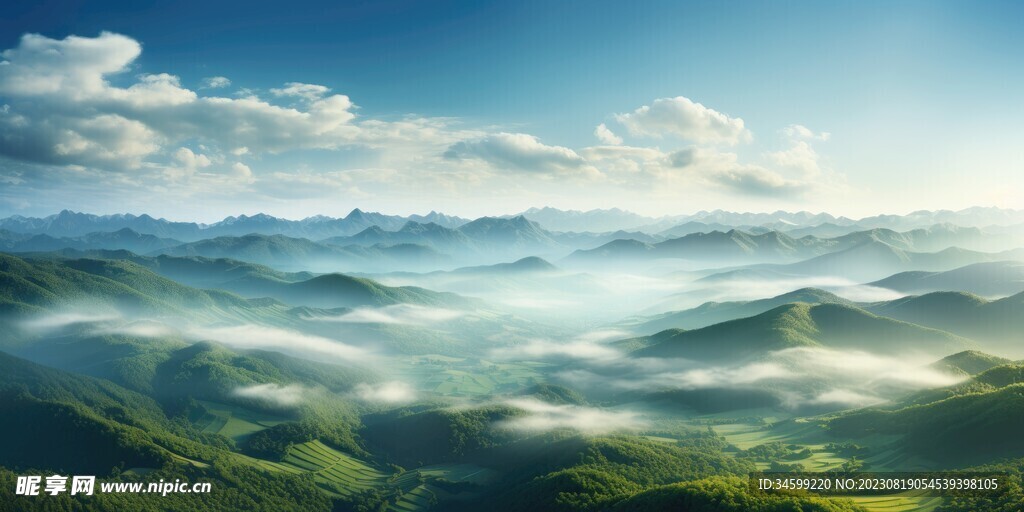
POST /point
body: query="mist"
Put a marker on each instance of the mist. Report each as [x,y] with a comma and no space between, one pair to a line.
[798,376]
[273,394]
[398,314]
[542,416]
[290,342]
[386,393]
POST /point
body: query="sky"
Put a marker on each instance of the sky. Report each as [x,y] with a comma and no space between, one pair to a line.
[200,110]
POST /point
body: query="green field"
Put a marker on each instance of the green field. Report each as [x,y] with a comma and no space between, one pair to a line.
[234,422]
[472,377]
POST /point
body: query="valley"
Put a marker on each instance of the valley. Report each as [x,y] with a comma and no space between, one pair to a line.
[510,364]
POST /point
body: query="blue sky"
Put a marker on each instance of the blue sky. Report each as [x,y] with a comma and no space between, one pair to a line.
[491,107]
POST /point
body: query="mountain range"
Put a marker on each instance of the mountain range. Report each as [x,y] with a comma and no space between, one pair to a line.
[71,224]
[829,225]
[998,278]
[737,247]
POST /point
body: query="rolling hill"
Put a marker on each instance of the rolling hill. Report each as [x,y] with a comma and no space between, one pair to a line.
[124,239]
[73,224]
[711,313]
[969,362]
[997,322]
[868,262]
[997,278]
[798,325]
[28,286]
[732,246]
[299,254]
[339,290]
[878,249]
[971,423]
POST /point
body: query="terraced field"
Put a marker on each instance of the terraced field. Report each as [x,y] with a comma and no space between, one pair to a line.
[459,473]
[334,472]
[419,496]
[416,495]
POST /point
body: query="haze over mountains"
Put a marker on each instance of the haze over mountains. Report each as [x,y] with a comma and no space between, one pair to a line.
[69,224]
[375,242]
[525,353]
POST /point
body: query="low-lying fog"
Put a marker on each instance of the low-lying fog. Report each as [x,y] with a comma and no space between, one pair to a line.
[562,325]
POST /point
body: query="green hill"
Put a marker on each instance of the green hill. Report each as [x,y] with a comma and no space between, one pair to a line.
[44,283]
[987,279]
[875,259]
[570,472]
[732,246]
[528,265]
[71,424]
[297,254]
[339,290]
[253,280]
[797,325]
[725,494]
[969,362]
[125,239]
[990,379]
[996,322]
[411,436]
[975,425]
[711,313]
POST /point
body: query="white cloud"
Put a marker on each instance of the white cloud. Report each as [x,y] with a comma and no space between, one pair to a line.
[73,117]
[530,302]
[60,320]
[140,328]
[273,394]
[394,392]
[587,346]
[309,92]
[519,151]
[755,180]
[686,119]
[191,160]
[216,82]
[542,416]
[800,156]
[723,169]
[64,110]
[73,66]
[271,338]
[606,136]
[845,398]
[397,314]
[242,171]
[726,377]
[799,131]
[540,349]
